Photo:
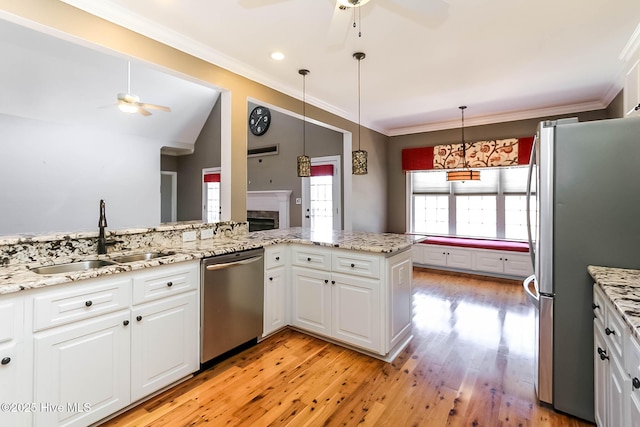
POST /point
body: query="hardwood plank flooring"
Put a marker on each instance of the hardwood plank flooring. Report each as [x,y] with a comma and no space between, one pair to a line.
[470,364]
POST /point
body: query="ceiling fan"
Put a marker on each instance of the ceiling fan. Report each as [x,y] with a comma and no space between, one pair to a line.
[129,103]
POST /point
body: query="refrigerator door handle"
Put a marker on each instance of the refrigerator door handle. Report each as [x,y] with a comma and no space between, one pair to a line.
[528,202]
[533,297]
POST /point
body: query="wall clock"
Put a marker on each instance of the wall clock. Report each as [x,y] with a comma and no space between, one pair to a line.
[259,120]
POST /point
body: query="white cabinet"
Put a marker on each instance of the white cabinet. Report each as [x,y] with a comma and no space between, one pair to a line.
[632,91]
[81,370]
[615,354]
[15,364]
[492,262]
[104,343]
[164,343]
[344,295]
[445,256]
[275,295]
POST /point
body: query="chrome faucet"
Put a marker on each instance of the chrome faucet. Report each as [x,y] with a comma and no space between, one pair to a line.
[102,223]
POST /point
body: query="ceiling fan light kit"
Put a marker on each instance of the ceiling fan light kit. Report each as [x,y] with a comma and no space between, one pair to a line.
[352,3]
[129,103]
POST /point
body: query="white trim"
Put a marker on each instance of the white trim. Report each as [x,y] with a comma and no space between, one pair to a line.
[632,47]
[225,155]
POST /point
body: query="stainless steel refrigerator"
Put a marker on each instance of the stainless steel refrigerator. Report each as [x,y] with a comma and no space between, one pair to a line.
[585,210]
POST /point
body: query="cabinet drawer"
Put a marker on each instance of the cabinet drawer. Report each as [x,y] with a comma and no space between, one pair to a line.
[354,263]
[78,301]
[274,256]
[11,321]
[164,281]
[308,256]
[616,331]
[598,307]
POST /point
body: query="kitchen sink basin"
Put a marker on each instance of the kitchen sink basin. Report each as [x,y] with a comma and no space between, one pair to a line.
[71,267]
[141,257]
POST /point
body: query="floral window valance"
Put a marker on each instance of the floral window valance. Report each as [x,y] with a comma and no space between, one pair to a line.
[480,154]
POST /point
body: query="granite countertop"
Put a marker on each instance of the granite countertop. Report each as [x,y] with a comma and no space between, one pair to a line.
[14,278]
[622,287]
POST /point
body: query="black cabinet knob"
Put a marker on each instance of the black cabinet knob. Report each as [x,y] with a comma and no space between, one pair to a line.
[271,278]
[169,284]
[277,258]
[635,382]
[353,265]
[333,282]
[637,107]
[125,323]
[609,331]
[326,280]
[5,360]
[500,259]
[308,259]
[88,303]
[594,306]
[603,354]
[138,318]
[506,259]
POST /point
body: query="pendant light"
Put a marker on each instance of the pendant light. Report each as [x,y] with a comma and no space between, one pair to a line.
[304,161]
[465,174]
[359,157]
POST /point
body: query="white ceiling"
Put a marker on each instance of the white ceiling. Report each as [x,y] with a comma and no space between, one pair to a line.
[46,78]
[505,59]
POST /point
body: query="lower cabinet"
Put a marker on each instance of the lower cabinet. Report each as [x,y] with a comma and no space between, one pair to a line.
[82,370]
[164,343]
[275,291]
[503,263]
[369,309]
[616,367]
[100,344]
[15,365]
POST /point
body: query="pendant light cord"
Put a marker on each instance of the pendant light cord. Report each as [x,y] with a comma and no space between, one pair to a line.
[464,145]
[304,114]
[359,125]
[128,77]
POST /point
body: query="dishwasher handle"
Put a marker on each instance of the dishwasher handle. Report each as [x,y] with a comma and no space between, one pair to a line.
[233,264]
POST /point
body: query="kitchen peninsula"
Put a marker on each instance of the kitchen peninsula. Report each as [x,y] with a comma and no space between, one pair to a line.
[110,336]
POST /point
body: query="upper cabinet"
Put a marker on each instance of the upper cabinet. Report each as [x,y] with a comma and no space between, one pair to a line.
[632,91]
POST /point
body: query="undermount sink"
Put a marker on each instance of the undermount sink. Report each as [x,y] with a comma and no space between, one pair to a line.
[141,257]
[71,267]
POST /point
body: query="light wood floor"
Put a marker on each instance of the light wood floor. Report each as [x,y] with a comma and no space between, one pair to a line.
[470,364]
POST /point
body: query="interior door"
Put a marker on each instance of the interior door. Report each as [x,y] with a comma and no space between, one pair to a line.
[322,195]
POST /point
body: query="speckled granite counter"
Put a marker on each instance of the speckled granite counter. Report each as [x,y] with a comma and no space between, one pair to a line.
[16,276]
[622,287]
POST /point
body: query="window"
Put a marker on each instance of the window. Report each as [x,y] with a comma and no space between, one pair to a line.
[321,201]
[494,207]
[211,194]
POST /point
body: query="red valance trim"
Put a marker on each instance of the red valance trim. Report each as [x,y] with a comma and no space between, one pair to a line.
[212,177]
[417,159]
[524,150]
[322,170]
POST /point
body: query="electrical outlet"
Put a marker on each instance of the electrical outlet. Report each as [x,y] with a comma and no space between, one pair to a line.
[206,233]
[189,236]
[298,201]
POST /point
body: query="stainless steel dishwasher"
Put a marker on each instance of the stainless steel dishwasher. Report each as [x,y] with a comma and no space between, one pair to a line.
[232,301]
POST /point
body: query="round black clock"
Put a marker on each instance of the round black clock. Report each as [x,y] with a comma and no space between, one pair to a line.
[259,120]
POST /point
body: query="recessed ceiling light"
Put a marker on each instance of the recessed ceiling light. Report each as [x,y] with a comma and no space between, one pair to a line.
[277,56]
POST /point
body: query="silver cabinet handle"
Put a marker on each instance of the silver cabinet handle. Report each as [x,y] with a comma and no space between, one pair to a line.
[232,264]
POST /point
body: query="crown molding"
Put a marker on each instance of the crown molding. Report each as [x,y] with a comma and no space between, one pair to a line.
[500,118]
[632,48]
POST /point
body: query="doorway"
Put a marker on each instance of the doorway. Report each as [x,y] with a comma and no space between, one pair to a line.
[322,195]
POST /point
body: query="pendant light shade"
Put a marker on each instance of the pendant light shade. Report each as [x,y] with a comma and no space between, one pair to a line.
[304,161]
[464,174]
[359,157]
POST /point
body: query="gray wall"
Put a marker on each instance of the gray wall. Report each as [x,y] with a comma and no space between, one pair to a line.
[397,178]
[206,155]
[278,172]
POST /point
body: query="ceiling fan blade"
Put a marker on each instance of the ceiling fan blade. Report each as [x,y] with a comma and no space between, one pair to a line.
[154,107]
[143,111]
[429,13]
[341,23]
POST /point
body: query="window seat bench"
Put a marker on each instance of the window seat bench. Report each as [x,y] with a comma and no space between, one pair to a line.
[500,258]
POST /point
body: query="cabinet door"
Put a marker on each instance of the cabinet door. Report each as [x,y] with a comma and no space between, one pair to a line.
[311,300]
[618,390]
[274,300]
[632,361]
[459,258]
[490,261]
[634,408]
[15,364]
[164,343]
[82,370]
[516,264]
[434,255]
[601,376]
[356,311]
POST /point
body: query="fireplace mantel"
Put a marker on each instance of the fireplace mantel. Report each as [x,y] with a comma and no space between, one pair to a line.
[271,200]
